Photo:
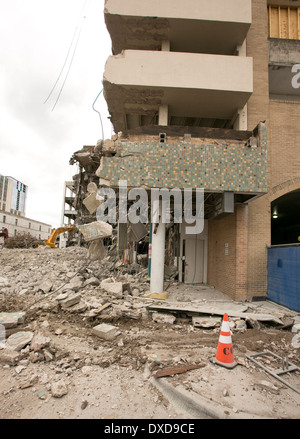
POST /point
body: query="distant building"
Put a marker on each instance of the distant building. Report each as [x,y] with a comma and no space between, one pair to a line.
[13,194]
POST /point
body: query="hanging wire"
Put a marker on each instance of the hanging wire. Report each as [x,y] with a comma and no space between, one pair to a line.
[93,106]
[63,84]
[66,59]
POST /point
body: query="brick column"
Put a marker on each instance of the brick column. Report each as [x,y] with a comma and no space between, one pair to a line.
[241,252]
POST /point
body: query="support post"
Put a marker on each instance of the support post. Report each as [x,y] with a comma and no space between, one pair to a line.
[158,255]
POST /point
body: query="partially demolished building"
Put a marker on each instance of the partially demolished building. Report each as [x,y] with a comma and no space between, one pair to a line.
[201,96]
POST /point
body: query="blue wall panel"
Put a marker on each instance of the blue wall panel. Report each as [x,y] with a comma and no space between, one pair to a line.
[284,276]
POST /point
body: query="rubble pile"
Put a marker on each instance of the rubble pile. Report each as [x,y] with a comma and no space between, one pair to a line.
[64,285]
[22,240]
[67,316]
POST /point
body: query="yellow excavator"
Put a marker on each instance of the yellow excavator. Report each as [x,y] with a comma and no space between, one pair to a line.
[90,232]
[51,241]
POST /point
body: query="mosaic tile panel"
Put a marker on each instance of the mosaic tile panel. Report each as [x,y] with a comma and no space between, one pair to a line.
[215,165]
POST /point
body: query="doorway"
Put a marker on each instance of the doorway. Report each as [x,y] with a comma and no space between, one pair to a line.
[194,261]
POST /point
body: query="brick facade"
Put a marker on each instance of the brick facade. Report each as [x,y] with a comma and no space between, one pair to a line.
[283,124]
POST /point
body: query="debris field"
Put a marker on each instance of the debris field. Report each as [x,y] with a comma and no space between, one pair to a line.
[84,339]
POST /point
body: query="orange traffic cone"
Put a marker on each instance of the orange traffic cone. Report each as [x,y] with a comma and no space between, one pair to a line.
[224,356]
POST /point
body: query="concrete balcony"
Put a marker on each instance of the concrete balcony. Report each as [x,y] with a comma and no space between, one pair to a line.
[199,26]
[137,83]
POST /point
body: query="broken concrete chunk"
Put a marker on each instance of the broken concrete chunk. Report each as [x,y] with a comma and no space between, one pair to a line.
[39,342]
[92,203]
[11,320]
[97,251]
[205,322]
[296,328]
[113,287]
[95,230]
[62,296]
[19,369]
[75,283]
[19,340]
[240,325]
[159,317]
[160,358]
[253,323]
[93,281]
[36,356]
[105,331]
[59,389]
[70,301]
[132,314]
[77,308]
[46,286]
[296,341]
[9,356]
[48,356]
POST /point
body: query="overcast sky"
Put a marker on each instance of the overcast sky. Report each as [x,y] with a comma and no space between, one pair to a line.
[37,139]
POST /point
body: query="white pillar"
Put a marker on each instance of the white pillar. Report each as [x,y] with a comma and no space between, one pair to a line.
[163,115]
[165,45]
[158,256]
[158,232]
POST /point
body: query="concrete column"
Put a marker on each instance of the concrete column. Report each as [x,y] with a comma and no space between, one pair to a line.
[242,49]
[163,115]
[158,232]
[241,120]
[165,45]
[158,256]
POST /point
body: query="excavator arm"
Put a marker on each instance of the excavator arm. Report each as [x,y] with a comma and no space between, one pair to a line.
[52,238]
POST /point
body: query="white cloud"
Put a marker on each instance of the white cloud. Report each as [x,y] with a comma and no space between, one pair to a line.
[36,142]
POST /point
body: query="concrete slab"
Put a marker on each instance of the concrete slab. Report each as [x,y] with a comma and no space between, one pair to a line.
[19,340]
[105,331]
[11,320]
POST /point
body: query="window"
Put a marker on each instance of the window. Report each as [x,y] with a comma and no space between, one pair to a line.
[29,226]
[284,22]
[16,222]
[4,219]
[40,228]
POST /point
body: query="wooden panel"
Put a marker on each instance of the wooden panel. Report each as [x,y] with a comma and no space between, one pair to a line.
[294,34]
[284,22]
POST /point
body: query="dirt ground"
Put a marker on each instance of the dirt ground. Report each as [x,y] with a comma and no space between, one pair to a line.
[113,379]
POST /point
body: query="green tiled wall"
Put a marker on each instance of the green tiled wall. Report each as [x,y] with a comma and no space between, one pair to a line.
[216,165]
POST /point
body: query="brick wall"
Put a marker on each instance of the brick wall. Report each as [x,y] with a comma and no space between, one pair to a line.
[284,133]
[258,109]
[227,253]
[221,264]
[257,48]
[241,252]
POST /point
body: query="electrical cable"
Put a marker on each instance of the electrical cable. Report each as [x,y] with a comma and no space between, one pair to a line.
[61,89]
[65,62]
[93,106]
